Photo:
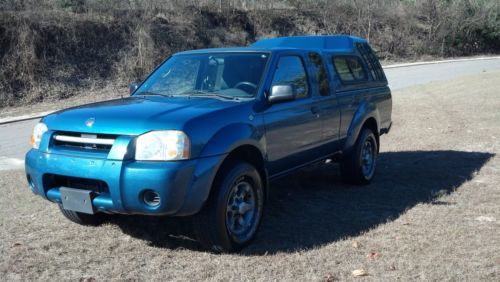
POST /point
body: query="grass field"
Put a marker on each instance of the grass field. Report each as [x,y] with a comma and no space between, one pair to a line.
[432,213]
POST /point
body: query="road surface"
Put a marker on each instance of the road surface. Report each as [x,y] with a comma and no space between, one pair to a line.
[402,77]
[15,137]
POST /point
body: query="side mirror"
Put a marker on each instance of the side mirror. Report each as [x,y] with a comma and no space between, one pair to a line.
[133,86]
[281,93]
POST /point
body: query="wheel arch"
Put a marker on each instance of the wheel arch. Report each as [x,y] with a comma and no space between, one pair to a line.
[246,153]
[367,116]
[371,124]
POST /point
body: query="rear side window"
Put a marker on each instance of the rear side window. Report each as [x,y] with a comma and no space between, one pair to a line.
[321,75]
[290,70]
[349,68]
[372,61]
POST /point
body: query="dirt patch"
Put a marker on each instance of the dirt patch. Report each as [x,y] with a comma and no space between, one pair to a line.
[432,213]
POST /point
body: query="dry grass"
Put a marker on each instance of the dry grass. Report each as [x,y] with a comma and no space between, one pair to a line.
[433,212]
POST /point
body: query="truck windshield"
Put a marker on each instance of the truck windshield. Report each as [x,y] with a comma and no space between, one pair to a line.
[230,75]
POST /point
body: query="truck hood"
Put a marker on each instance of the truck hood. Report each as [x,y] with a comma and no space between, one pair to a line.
[134,115]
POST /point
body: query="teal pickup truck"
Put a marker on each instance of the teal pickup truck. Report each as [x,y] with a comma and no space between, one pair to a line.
[206,131]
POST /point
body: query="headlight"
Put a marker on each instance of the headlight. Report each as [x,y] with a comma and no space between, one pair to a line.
[38,132]
[162,146]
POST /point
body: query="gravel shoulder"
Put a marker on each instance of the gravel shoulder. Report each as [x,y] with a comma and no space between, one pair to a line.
[432,213]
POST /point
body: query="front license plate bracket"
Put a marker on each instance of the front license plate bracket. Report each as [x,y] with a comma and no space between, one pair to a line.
[77,200]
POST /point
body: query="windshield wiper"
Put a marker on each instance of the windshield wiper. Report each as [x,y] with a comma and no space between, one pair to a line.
[145,93]
[206,93]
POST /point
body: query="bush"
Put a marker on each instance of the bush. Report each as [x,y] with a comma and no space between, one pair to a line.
[50,48]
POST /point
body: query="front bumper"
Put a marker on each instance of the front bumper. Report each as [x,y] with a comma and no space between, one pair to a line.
[183,186]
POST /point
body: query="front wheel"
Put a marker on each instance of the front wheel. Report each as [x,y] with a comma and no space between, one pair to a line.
[358,167]
[232,214]
[82,218]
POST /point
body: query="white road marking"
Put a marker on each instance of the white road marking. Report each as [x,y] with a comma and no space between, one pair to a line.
[24,117]
[439,62]
[10,163]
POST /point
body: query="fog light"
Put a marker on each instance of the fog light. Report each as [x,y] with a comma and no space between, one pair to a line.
[151,198]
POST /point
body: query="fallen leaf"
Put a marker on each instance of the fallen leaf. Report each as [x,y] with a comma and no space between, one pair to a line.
[330,278]
[485,218]
[359,272]
[17,244]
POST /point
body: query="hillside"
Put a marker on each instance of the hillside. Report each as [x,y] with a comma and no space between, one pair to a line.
[53,49]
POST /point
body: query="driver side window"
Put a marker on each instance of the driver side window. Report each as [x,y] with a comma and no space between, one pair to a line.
[290,70]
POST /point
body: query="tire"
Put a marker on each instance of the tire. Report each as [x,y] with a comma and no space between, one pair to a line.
[358,167]
[231,216]
[82,218]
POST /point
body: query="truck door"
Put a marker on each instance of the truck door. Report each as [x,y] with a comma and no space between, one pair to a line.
[327,106]
[293,128]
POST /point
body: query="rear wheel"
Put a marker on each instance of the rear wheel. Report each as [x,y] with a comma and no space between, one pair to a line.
[82,218]
[358,167]
[232,214]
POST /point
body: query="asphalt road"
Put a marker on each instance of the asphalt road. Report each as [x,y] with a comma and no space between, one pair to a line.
[15,137]
[402,77]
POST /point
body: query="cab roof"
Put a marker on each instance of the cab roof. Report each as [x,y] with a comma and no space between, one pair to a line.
[338,43]
[324,42]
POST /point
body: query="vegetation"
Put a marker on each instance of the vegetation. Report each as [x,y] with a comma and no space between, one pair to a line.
[52,49]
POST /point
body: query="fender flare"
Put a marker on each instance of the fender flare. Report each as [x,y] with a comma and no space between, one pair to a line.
[365,111]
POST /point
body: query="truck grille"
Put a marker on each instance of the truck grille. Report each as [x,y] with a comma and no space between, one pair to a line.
[87,141]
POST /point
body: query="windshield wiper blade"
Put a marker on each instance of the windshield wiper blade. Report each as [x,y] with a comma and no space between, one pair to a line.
[208,94]
[145,93]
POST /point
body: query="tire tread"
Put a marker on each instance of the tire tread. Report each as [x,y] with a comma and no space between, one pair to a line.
[81,218]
